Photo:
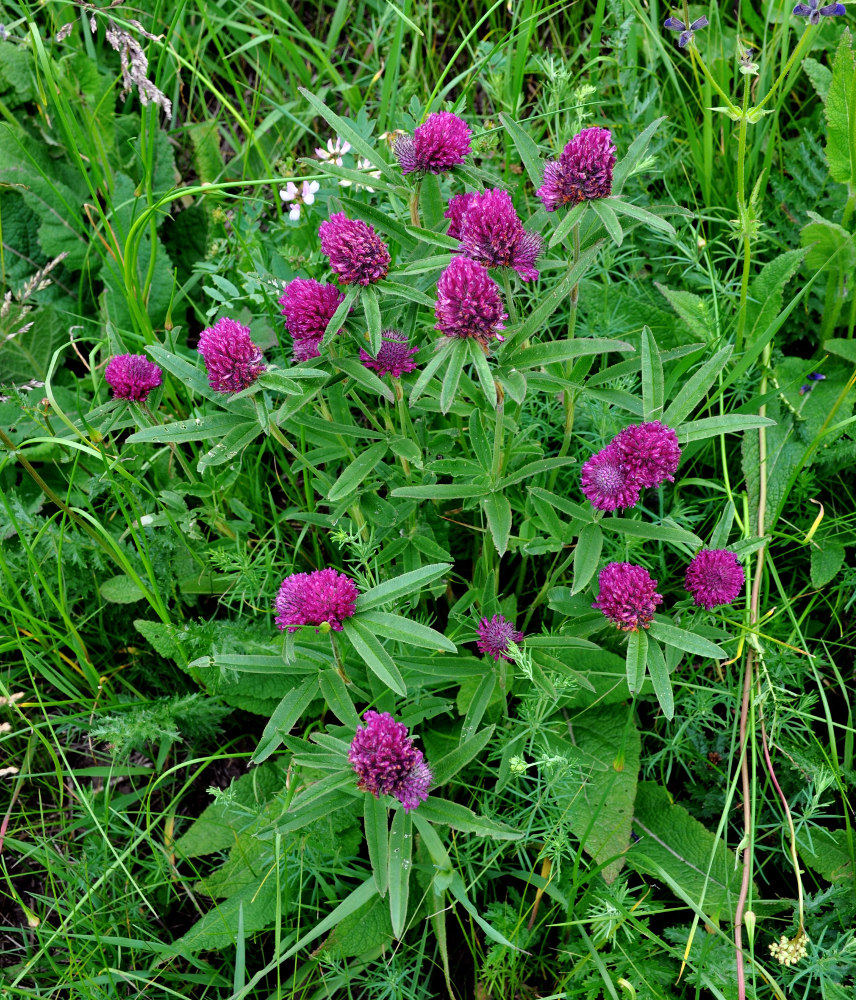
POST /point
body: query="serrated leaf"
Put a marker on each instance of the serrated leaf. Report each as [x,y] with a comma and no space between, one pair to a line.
[121,590]
[826,563]
[841,114]
[600,814]
[674,843]
[826,851]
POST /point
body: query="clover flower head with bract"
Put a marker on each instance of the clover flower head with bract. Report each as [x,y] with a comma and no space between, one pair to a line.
[714,577]
[394,356]
[357,254]
[607,483]
[308,306]
[441,142]
[468,302]
[491,232]
[627,595]
[687,31]
[458,205]
[323,597]
[232,359]
[814,12]
[582,172]
[132,376]
[387,762]
[495,634]
[649,452]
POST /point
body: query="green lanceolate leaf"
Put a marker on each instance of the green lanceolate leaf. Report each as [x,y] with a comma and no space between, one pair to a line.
[607,216]
[573,217]
[526,149]
[364,377]
[373,654]
[586,556]
[643,529]
[406,630]
[728,423]
[652,377]
[671,635]
[400,850]
[694,390]
[442,491]
[497,510]
[452,377]
[356,472]
[448,766]
[376,826]
[627,165]
[637,657]
[194,429]
[335,692]
[449,813]
[231,445]
[400,586]
[285,716]
[659,673]
[559,351]
[371,308]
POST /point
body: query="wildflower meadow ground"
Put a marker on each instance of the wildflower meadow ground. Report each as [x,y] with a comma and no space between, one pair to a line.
[426,500]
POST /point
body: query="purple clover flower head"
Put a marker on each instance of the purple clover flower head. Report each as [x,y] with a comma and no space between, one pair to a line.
[357,254]
[714,577]
[458,205]
[441,142]
[387,762]
[649,452]
[468,302]
[232,359]
[491,232]
[394,356]
[814,13]
[607,483]
[323,597]
[673,24]
[583,171]
[627,595]
[494,636]
[132,376]
[308,306]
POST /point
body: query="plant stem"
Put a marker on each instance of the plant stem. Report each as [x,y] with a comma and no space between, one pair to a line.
[745,235]
[568,395]
[414,204]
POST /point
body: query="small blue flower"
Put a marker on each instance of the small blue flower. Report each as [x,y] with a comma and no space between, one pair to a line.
[804,389]
[673,24]
[815,13]
[817,377]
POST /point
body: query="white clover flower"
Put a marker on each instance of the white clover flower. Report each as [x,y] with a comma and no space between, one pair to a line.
[298,196]
[334,151]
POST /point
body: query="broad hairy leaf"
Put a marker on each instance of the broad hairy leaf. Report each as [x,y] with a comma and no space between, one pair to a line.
[841,114]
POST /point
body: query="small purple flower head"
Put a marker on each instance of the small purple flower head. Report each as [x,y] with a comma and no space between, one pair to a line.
[814,13]
[306,349]
[458,205]
[440,143]
[494,636]
[468,302]
[491,232]
[387,762]
[308,306]
[394,356]
[357,254]
[817,377]
[649,452]
[318,598]
[804,389]
[606,482]
[232,359]
[714,577]
[673,24]
[583,171]
[132,376]
[627,595]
